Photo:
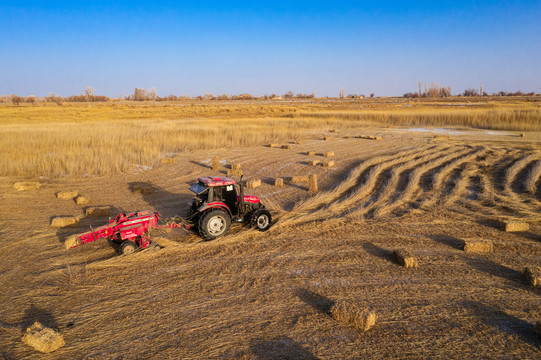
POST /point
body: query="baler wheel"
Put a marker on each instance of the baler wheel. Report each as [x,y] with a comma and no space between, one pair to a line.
[127,247]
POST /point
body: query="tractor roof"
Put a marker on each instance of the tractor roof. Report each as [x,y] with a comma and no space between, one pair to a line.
[216,181]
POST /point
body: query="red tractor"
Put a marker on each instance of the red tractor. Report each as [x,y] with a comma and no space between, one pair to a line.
[218,202]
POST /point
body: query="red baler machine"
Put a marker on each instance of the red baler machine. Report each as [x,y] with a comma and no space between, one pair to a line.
[127,232]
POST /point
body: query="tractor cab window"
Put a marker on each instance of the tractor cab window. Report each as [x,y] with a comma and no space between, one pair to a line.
[229,197]
[198,188]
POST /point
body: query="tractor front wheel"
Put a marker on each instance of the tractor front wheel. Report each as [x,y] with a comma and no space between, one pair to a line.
[127,247]
[261,219]
[213,224]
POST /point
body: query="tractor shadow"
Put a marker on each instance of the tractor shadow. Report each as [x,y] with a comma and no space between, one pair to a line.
[501,321]
[166,203]
[281,347]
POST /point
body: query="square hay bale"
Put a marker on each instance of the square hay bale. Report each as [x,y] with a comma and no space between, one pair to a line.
[329,154]
[363,136]
[82,200]
[235,166]
[314,162]
[514,226]
[286,146]
[26,185]
[66,195]
[253,183]
[328,163]
[279,182]
[522,135]
[273,145]
[299,179]
[350,314]
[167,160]
[405,258]
[97,211]
[476,246]
[378,138]
[312,183]
[298,141]
[234,172]
[310,153]
[63,221]
[533,276]
[42,338]
[142,189]
[71,242]
[371,137]
[215,164]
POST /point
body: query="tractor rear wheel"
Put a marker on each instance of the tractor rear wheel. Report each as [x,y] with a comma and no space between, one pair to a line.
[261,219]
[127,247]
[213,224]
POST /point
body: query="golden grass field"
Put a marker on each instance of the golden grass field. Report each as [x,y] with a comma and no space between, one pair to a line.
[444,172]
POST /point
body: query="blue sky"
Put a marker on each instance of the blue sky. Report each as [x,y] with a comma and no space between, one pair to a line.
[262,47]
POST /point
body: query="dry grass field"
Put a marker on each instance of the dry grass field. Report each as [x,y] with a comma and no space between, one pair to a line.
[442,173]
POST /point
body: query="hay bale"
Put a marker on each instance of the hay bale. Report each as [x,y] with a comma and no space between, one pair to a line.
[42,338]
[332,130]
[325,138]
[279,182]
[66,195]
[215,164]
[142,189]
[63,221]
[167,160]
[314,162]
[363,136]
[328,163]
[329,154]
[235,166]
[26,185]
[97,211]
[378,138]
[312,183]
[234,172]
[299,179]
[349,314]
[273,145]
[522,135]
[405,258]
[298,141]
[286,146]
[71,242]
[82,200]
[514,226]
[533,276]
[253,183]
[371,137]
[476,246]
[310,153]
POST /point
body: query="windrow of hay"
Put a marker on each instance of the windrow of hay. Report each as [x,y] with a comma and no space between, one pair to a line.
[350,314]
[43,339]
[533,275]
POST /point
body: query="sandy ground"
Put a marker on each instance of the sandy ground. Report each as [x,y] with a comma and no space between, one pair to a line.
[267,295]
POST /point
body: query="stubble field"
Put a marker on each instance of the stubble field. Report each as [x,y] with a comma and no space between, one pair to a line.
[442,172]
